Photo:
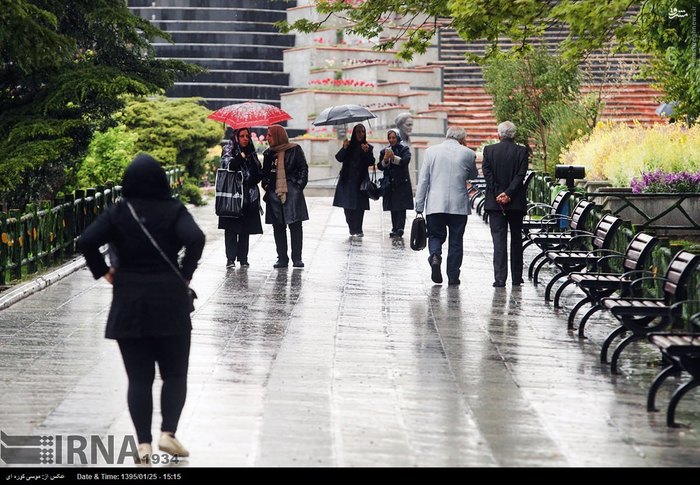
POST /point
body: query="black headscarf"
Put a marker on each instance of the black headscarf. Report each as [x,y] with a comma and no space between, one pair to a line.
[355,141]
[237,148]
[144,178]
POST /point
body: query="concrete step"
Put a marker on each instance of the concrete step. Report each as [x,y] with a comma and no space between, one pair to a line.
[215,26]
[231,91]
[263,65]
[216,76]
[216,103]
[215,14]
[275,5]
[214,50]
[261,40]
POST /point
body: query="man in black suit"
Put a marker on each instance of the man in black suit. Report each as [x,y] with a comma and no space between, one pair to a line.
[504,167]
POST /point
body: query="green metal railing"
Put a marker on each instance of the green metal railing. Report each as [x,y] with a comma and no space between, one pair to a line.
[673,206]
[44,235]
[543,189]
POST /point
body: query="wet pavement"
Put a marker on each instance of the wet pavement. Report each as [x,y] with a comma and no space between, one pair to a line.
[356,360]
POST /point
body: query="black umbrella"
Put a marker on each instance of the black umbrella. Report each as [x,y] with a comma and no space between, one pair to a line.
[666,109]
[346,113]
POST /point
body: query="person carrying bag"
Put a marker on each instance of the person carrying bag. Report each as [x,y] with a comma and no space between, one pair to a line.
[150,312]
[238,196]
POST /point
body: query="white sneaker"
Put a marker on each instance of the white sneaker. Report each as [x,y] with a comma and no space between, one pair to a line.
[170,444]
[145,451]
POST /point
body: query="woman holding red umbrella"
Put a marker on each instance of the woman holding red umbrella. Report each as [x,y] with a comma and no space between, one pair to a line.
[238,154]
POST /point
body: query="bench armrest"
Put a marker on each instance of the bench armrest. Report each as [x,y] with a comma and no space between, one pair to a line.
[695,320]
[629,277]
[585,235]
[552,222]
[637,282]
[607,254]
[537,205]
[675,312]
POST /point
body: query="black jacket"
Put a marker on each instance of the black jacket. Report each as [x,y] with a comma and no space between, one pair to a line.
[504,167]
[297,171]
[249,222]
[354,171]
[149,300]
[399,195]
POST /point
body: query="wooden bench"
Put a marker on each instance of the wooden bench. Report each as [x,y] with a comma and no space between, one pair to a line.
[575,260]
[681,353]
[552,238]
[599,285]
[532,223]
[637,315]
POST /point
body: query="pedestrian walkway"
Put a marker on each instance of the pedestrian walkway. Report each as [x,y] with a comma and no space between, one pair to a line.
[356,360]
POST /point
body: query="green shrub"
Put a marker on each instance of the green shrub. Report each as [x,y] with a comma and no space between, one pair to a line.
[108,156]
[174,131]
[620,153]
[191,193]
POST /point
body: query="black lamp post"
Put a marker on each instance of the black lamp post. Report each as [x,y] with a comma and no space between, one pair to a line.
[570,172]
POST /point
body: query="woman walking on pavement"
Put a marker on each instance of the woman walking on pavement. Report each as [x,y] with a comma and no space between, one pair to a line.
[355,155]
[285,174]
[238,154]
[398,192]
[150,312]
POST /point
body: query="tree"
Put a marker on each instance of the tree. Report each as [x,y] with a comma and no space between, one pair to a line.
[673,39]
[666,29]
[64,70]
[530,92]
[174,131]
[109,154]
[414,21]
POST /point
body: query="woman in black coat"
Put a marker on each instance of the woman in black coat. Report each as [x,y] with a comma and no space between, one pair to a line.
[398,191]
[238,154]
[356,155]
[285,174]
[150,312]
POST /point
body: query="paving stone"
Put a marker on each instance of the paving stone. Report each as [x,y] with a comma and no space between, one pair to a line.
[356,360]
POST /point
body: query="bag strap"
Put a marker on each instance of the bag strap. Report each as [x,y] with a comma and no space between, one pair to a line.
[155,244]
[374,174]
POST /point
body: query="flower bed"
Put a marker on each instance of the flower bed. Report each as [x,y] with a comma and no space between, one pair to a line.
[663,182]
[620,153]
[329,84]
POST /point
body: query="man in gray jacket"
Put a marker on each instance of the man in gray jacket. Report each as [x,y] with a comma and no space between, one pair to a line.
[442,193]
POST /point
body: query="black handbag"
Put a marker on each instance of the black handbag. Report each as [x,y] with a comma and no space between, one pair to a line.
[190,292]
[230,198]
[419,233]
[370,188]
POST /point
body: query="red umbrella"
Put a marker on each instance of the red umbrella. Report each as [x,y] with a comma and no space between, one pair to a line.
[244,115]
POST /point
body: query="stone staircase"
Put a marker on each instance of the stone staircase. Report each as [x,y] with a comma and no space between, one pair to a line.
[472,108]
[468,105]
[630,103]
[234,39]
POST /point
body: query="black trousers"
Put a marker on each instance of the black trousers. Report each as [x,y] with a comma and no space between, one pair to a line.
[354,218]
[296,235]
[398,220]
[140,356]
[499,225]
[236,246]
